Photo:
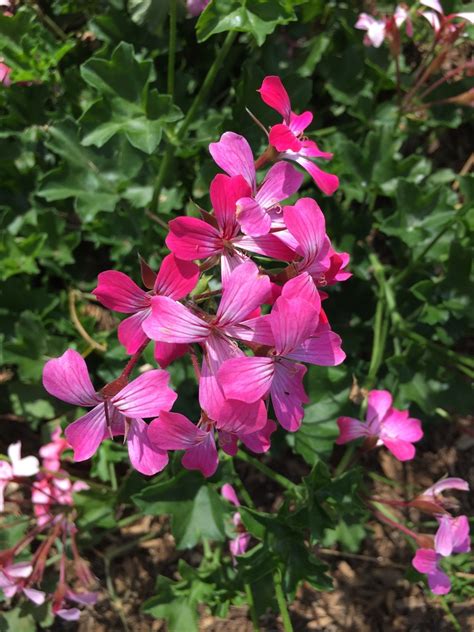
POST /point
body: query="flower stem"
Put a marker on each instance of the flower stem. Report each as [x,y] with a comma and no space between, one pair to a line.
[198,99]
[172,48]
[280,597]
[274,476]
[251,605]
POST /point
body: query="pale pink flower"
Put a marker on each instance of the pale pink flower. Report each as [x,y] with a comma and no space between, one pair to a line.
[13,579]
[401,16]
[439,20]
[240,543]
[452,537]
[375,29]
[18,467]
[118,292]
[51,452]
[432,501]
[385,425]
[61,607]
[288,139]
[195,7]
[117,409]
[5,72]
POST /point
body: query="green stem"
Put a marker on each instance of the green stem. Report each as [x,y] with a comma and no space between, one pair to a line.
[274,476]
[198,99]
[113,477]
[462,363]
[280,597]
[346,459]
[172,47]
[251,605]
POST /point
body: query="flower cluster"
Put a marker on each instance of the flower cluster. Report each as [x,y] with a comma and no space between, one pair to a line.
[247,350]
[451,537]
[387,27]
[52,531]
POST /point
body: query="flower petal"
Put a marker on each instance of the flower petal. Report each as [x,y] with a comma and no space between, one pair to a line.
[425,561]
[87,433]
[170,321]
[282,138]
[322,349]
[402,450]
[246,379]
[176,278]
[350,429]
[130,331]
[167,352]
[288,394]
[67,378]
[202,457]
[173,431]
[292,322]
[299,122]
[307,224]
[117,291]
[252,217]
[273,93]
[259,442]
[327,182]
[233,155]
[244,291]
[144,456]
[224,193]
[378,405]
[228,492]
[281,181]
[192,238]
[146,396]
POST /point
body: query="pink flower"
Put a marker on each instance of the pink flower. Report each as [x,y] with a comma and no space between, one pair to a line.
[292,335]
[51,452]
[61,607]
[259,210]
[5,72]
[118,292]
[401,16]
[195,7]
[117,409]
[287,137]
[375,34]
[27,466]
[452,537]
[13,579]
[437,18]
[245,290]
[219,236]
[385,425]
[240,543]
[431,499]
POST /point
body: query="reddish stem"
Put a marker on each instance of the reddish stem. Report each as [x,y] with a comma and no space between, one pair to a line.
[133,360]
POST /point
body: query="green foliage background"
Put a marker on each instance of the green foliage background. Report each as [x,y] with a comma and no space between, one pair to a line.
[85,130]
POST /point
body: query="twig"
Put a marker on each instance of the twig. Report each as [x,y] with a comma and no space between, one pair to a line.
[78,325]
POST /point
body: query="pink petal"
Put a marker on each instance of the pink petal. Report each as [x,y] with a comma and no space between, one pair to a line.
[461,539]
[67,379]
[282,138]
[168,352]
[323,349]
[192,238]
[425,561]
[402,450]
[233,155]
[281,181]
[173,431]
[130,332]
[229,261]
[259,441]
[274,95]
[252,217]
[433,19]
[245,290]
[224,193]
[240,418]
[84,598]
[172,322]
[288,394]
[228,492]
[468,16]
[68,614]
[144,456]
[176,278]
[240,544]
[433,4]
[228,442]
[447,483]
[254,330]
[302,287]
[19,570]
[36,596]
[146,396]
[267,245]
[398,424]
[246,379]
[27,466]
[444,537]
[306,223]
[327,182]
[202,457]
[87,433]
[299,122]
[292,322]
[378,405]
[350,429]
[117,291]
[439,582]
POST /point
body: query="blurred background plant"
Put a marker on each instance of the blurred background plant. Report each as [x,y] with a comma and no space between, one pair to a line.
[107,110]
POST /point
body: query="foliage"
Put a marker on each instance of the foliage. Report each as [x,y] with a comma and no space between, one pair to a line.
[99,150]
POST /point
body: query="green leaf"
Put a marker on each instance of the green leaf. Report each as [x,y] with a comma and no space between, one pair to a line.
[197,511]
[257,17]
[178,612]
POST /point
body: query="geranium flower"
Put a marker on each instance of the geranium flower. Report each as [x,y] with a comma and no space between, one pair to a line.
[240,543]
[18,466]
[287,137]
[118,292]
[117,409]
[384,425]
